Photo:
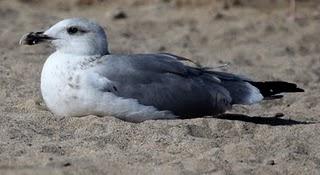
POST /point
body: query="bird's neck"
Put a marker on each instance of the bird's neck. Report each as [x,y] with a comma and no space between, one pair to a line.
[64,58]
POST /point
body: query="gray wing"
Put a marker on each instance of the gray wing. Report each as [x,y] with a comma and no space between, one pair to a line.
[162,81]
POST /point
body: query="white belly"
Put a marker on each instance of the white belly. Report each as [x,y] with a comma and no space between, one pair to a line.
[66,90]
[60,87]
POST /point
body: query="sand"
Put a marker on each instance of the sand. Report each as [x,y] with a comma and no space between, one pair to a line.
[255,39]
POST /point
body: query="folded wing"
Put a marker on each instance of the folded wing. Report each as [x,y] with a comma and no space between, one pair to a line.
[162,81]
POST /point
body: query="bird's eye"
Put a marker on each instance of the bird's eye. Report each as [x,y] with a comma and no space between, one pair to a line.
[72,30]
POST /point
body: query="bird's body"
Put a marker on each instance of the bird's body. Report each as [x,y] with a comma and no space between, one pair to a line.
[114,85]
[83,78]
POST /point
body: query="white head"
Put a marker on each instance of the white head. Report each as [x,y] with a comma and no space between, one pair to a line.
[77,36]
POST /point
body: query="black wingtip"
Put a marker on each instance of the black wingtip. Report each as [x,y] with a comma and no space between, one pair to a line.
[273,88]
[299,90]
[294,88]
[273,97]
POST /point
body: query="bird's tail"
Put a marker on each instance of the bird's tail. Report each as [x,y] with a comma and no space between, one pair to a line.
[245,91]
[250,92]
[273,89]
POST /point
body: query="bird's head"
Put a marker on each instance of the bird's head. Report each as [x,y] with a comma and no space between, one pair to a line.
[77,36]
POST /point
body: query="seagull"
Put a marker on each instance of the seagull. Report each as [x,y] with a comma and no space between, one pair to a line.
[83,78]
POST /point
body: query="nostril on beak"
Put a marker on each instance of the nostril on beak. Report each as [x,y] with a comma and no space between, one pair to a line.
[33,38]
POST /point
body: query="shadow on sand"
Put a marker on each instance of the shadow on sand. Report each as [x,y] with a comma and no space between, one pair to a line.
[273,121]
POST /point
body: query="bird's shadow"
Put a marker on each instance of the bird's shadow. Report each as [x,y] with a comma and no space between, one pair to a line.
[272,121]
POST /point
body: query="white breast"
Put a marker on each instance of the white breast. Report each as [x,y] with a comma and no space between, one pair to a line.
[60,84]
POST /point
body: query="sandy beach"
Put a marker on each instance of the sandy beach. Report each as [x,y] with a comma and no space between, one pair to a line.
[254,38]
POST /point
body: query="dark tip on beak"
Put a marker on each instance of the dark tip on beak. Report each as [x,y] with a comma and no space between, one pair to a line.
[33,38]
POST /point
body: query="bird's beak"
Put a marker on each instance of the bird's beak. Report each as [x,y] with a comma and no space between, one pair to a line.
[33,38]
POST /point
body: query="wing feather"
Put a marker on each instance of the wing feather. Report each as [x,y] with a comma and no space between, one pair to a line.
[162,81]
